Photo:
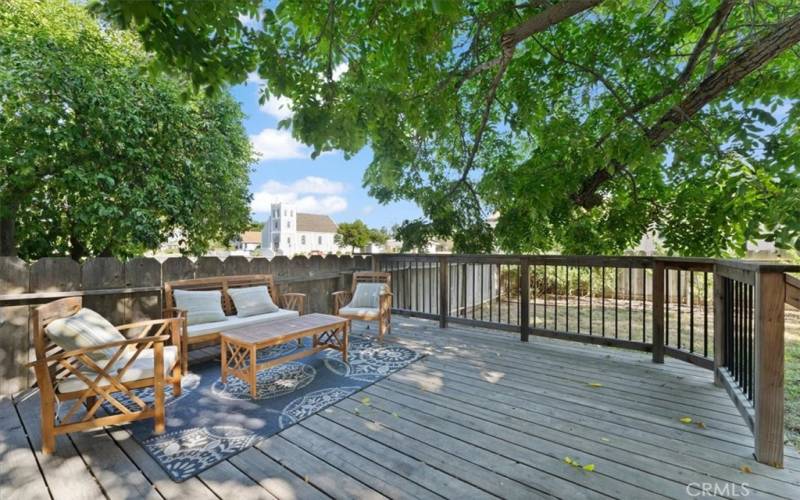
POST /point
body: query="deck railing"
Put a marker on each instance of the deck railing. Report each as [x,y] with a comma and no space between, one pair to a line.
[724,315]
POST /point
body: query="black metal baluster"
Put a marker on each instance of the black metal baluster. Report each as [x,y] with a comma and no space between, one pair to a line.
[691,311]
[630,303]
[535,290]
[508,293]
[751,346]
[666,306]
[491,294]
[578,281]
[544,295]
[555,302]
[603,302]
[678,282]
[616,302]
[482,284]
[591,297]
[473,291]
[566,296]
[736,325]
[705,314]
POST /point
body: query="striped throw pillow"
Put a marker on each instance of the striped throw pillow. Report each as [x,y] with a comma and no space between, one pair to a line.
[200,307]
[85,328]
[252,300]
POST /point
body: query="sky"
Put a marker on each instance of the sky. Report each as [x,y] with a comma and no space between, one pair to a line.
[285,171]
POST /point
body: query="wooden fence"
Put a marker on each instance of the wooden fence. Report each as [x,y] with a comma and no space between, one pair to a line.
[131,290]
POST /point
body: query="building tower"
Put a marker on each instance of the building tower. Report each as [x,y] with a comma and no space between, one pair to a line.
[280,232]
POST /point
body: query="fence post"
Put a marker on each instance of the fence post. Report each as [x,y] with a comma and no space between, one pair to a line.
[376,262]
[524,300]
[768,333]
[658,311]
[719,326]
[444,290]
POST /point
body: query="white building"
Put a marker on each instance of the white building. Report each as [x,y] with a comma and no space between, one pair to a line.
[248,241]
[287,232]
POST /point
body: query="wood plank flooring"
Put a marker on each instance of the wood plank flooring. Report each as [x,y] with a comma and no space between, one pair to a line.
[481,416]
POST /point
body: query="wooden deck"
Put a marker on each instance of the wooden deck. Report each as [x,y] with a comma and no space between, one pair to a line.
[483,415]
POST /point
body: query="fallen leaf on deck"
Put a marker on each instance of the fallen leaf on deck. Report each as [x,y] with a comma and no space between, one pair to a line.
[746,469]
[605,440]
[567,460]
[395,414]
[365,401]
[595,384]
[686,420]
[589,467]
[700,425]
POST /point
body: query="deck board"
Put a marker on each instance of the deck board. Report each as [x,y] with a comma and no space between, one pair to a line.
[483,415]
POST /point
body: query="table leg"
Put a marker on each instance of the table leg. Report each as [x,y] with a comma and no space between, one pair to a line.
[224,357]
[345,336]
[253,372]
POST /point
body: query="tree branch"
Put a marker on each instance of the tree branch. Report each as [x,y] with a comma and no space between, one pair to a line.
[782,37]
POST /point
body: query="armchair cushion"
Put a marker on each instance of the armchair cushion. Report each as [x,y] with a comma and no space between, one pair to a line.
[252,300]
[365,313]
[143,367]
[200,307]
[84,329]
[368,295]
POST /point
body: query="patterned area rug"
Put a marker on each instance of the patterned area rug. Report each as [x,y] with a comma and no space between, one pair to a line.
[212,420]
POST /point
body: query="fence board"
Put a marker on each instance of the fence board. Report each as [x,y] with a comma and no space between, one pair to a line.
[14,337]
[207,267]
[101,273]
[236,265]
[143,272]
[177,268]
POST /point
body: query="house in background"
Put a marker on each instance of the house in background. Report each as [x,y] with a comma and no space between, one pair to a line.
[288,232]
[247,242]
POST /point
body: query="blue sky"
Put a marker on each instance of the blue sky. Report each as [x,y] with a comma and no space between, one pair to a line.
[328,185]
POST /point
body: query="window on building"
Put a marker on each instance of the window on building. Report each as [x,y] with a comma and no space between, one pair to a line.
[303,240]
[289,241]
[288,224]
[319,240]
[276,224]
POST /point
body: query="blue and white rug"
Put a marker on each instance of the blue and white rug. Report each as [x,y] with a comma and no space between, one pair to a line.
[212,420]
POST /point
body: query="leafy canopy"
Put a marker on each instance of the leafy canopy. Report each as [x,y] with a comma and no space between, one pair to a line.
[97,156]
[582,124]
[356,234]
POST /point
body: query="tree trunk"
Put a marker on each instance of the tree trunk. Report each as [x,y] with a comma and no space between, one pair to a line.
[76,248]
[8,234]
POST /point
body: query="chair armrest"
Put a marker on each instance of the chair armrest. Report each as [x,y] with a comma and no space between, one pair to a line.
[176,327]
[119,343]
[294,301]
[385,302]
[340,298]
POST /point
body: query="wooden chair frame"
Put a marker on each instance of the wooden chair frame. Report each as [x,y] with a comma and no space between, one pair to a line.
[384,312]
[293,301]
[53,365]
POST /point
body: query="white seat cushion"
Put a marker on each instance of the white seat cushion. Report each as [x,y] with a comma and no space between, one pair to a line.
[142,368]
[83,329]
[200,306]
[236,321]
[359,312]
[252,300]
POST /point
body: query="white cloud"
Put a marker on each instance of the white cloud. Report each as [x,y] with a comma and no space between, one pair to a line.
[276,144]
[310,194]
[339,70]
[279,107]
[368,209]
[250,21]
[254,78]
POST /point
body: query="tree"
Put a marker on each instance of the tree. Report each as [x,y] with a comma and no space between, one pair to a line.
[357,235]
[98,156]
[583,123]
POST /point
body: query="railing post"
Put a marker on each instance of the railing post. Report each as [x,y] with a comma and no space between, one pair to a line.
[768,365]
[658,311]
[444,290]
[719,326]
[524,299]
[376,263]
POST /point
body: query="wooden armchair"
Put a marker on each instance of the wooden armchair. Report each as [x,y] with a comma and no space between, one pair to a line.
[382,312]
[88,381]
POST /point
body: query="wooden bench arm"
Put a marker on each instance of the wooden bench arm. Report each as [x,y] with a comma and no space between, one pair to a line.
[294,301]
[340,298]
[385,302]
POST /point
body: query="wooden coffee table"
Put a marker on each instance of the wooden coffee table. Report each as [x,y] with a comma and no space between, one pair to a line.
[239,346]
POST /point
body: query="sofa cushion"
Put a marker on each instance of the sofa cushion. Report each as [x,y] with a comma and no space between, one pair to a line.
[200,306]
[252,300]
[236,321]
[368,294]
[85,328]
[143,367]
[359,312]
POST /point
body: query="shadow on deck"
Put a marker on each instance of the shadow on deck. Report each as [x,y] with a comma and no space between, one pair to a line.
[483,415]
